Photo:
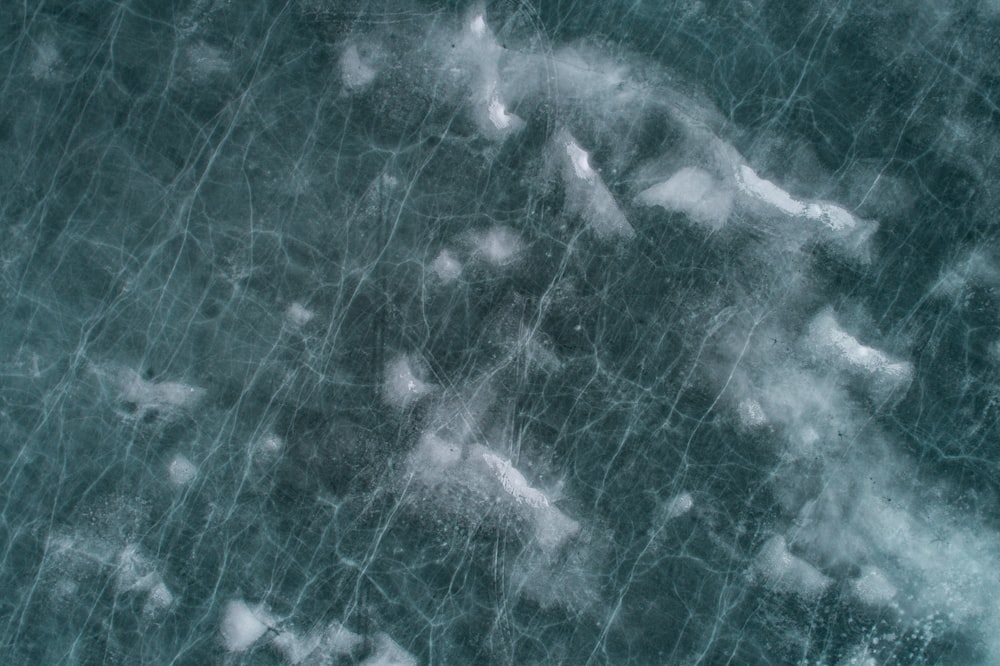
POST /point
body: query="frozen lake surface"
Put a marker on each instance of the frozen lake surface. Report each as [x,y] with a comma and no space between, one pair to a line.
[520,332]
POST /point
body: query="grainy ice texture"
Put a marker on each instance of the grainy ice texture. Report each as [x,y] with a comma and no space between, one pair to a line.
[515,332]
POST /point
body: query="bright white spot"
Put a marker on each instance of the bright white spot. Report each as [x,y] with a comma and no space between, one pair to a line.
[766,191]
[181,470]
[478,25]
[580,159]
[243,626]
[498,114]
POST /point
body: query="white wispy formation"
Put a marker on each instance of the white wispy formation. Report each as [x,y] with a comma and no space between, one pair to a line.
[355,73]
[586,194]
[785,572]
[242,625]
[695,193]
[402,386]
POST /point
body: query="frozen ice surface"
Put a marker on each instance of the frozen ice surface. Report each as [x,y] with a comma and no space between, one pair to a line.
[411,331]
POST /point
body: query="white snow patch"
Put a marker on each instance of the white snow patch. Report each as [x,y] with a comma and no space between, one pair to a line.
[500,117]
[446,267]
[354,72]
[153,396]
[872,587]
[764,190]
[514,483]
[298,315]
[242,626]
[679,505]
[319,646]
[693,192]
[402,386]
[784,572]
[498,246]
[181,470]
[751,413]
[389,653]
[586,194]
[827,338]
[478,25]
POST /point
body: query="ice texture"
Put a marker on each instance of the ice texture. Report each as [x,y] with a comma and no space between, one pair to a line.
[420,332]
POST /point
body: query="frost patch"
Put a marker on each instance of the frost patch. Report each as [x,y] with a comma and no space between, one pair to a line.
[354,72]
[695,193]
[784,572]
[586,194]
[181,470]
[402,386]
[242,626]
